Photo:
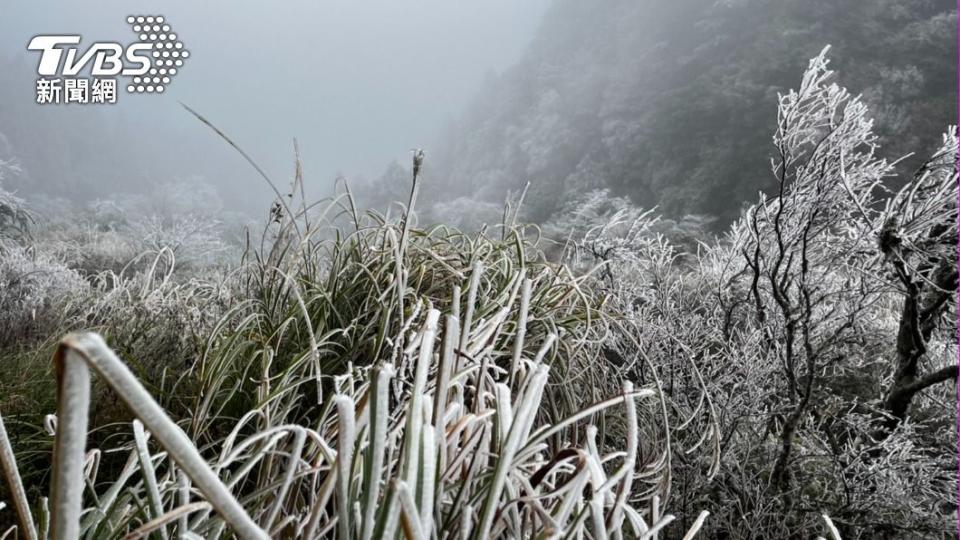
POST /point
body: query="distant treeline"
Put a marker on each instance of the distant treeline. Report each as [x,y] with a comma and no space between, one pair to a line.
[669,103]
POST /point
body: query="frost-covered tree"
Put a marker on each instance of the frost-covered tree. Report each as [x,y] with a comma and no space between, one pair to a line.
[815,256]
[918,239]
[808,263]
[799,354]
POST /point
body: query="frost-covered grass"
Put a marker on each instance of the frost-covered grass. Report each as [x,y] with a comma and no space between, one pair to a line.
[369,378]
[376,460]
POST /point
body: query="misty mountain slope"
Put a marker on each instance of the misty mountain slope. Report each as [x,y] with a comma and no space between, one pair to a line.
[669,103]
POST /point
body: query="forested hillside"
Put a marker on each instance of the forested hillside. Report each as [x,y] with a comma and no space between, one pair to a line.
[669,103]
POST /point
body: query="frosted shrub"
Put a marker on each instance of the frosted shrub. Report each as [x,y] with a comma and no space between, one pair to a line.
[195,240]
[36,291]
[15,219]
[156,316]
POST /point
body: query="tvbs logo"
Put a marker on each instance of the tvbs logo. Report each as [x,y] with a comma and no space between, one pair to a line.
[148,65]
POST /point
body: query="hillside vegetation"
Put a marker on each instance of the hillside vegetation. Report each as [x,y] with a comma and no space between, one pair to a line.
[669,103]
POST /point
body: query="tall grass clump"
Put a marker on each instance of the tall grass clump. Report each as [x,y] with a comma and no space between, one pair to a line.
[372,378]
[376,462]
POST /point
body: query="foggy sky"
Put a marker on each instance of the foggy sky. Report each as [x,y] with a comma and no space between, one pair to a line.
[357,83]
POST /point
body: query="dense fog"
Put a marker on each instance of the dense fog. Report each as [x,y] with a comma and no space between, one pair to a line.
[357,84]
[667,103]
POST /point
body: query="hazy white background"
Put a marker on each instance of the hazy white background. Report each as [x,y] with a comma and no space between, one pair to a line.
[358,83]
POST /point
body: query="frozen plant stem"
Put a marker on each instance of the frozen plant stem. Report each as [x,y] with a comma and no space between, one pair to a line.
[76,353]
